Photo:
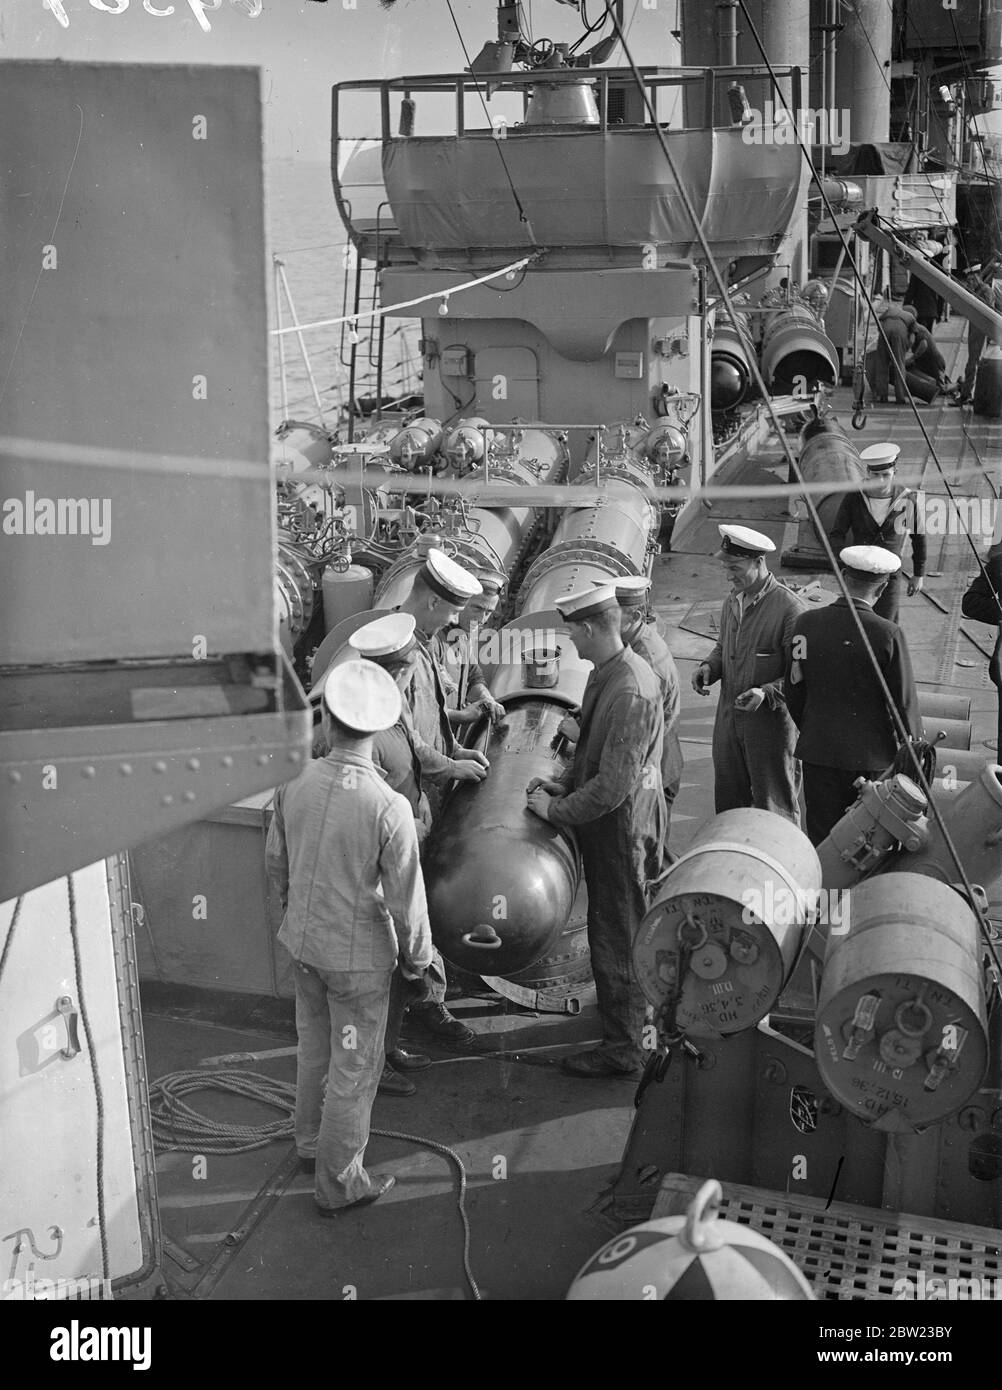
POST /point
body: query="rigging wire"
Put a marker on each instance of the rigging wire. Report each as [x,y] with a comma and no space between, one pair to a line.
[444,294]
[522,215]
[903,733]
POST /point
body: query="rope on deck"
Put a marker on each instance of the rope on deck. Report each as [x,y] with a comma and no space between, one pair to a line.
[179,1128]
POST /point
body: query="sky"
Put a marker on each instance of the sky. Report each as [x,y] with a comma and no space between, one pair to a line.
[302,48]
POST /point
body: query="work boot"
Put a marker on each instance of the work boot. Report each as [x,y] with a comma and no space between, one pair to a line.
[380,1187]
[437,1020]
[391,1083]
[400,1060]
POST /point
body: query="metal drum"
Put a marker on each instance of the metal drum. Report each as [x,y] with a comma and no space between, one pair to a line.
[795,349]
[345,592]
[901,1031]
[734,906]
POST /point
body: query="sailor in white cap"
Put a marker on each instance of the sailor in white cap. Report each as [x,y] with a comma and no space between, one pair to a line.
[753,735]
[342,852]
[834,695]
[612,797]
[456,648]
[884,517]
[441,590]
[639,632]
[390,642]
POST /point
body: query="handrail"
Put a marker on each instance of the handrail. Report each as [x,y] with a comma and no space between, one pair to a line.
[480,84]
[512,81]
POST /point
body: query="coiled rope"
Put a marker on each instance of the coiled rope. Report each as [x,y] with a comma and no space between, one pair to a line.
[178,1128]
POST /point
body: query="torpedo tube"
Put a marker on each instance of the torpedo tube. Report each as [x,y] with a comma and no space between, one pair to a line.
[797,355]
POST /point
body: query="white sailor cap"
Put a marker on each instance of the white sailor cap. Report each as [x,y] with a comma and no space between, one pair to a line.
[632,590]
[363,697]
[870,559]
[387,639]
[491,581]
[741,540]
[587,602]
[879,457]
[447,579]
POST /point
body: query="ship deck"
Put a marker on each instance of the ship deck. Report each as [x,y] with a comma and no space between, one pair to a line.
[538,1147]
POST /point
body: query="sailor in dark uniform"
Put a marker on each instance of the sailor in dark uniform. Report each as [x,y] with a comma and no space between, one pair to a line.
[753,736]
[613,799]
[884,518]
[639,632]
[833,695]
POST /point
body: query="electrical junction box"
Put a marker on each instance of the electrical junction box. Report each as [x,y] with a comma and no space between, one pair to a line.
[455,362]
[630,365]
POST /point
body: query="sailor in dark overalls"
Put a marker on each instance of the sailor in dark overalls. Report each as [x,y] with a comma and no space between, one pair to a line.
[884,517]
[612,797]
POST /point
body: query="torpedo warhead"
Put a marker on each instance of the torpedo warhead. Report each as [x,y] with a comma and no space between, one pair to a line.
[501,882]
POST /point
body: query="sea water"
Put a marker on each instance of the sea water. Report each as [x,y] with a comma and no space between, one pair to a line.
[306,233]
